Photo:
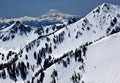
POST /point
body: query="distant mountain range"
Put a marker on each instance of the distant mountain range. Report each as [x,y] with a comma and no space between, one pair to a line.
[52,17]
[61,48]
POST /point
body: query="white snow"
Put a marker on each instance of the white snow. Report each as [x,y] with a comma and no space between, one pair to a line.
[103,61]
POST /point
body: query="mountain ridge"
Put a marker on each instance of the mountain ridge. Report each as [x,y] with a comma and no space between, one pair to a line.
[59,49]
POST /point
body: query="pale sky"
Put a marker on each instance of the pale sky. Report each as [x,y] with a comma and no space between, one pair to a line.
[18,8]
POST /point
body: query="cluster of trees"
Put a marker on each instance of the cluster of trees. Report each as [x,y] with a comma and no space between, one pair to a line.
[117,29]
[59,39]
[6,38]
[48,62]
[39,31]
[5,65]
[118,15]
[76,77]
[112,31]
[3,74]
[78,55]
[10,53]
[97,10]
[84,49]
[42,75]
[79,52]
[78,34]
[23,70]
[85,22]
[23,29]
[113,22]
[30,45]
[106,5]
[12,36]
[12,70]
[38,56]
[66,61]
[60,26]
[1,36]
[47,30]
[69,34]
[48,39]
[16,70]
[44,50]
[48,49]
[54,75]
[42,54]
[2,54]
[72,20]
[28,48]
[40,78]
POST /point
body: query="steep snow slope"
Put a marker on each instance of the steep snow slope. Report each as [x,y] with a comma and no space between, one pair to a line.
[87,29]
[105,16]
[102,63]
[17,35]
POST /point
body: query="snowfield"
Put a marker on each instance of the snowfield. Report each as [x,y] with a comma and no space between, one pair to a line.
[103,61]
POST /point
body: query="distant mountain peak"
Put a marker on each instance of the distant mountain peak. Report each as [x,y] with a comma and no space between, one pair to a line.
[56,13]
[52,17]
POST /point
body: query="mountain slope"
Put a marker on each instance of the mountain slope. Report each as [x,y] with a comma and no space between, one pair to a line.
[39,26]
[64,47]
[102,63]
[11,36]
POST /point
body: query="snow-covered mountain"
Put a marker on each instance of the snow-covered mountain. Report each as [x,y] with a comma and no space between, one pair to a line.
[63,53]
[52,17]
[16,36]
[38,26]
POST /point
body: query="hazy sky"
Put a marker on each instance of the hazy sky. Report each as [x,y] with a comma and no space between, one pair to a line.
[18,8]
